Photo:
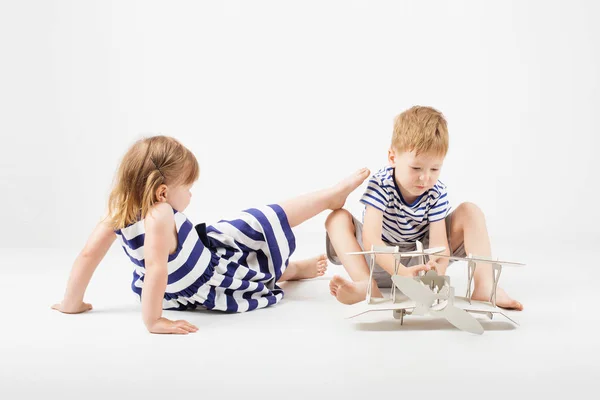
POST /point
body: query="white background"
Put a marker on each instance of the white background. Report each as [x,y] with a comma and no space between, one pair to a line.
[278,98]
[275,99]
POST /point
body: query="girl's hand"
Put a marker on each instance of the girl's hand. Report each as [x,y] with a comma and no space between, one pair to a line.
[163,325]
[67,308]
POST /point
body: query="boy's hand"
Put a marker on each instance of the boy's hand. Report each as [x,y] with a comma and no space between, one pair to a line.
[67,308]
[440,265]
[415,269]
[434,265]
[164,325]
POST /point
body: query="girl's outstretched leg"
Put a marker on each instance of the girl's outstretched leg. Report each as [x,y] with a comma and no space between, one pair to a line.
[306,206]
[305,269]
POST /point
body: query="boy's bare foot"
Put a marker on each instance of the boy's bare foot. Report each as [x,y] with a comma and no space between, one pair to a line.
[347,292]
[503,300]
[341,191]
[305,269]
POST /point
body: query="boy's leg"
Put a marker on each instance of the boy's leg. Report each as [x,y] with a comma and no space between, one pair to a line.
[304,207]
[341,231]
[467,225]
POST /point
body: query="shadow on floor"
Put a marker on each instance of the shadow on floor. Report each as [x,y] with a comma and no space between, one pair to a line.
[422,324]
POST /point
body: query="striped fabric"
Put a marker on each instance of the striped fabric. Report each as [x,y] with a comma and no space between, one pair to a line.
[403,222]
[230,266]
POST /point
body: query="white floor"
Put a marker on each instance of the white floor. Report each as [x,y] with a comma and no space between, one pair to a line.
[303,346]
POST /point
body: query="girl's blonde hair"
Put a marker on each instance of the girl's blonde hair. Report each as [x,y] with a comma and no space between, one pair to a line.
[149,163]
[422,129]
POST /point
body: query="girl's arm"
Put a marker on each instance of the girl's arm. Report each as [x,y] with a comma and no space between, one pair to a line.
[159,227]
[83,268]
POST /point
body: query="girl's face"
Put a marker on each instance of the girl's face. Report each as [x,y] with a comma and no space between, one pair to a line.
[179,196]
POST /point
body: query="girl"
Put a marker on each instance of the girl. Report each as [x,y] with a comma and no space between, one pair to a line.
[232,266]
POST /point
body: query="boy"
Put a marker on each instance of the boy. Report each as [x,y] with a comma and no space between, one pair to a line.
[405,202]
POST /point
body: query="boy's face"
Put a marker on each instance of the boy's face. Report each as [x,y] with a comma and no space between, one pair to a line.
[415,174]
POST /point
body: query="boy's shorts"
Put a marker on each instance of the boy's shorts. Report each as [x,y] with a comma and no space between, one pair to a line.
[381,276]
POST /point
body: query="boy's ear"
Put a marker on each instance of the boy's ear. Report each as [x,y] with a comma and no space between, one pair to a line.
[161,193]
[391,157]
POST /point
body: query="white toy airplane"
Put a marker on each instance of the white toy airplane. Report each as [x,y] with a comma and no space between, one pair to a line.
[430,293]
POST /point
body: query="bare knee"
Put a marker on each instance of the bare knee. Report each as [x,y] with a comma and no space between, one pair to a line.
[469,213]
[338,218]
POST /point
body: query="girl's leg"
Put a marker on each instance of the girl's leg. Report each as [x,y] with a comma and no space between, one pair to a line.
[468,226]
[304,207]
[341,231]
[305,269]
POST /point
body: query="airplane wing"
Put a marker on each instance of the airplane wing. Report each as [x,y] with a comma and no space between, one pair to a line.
[378,305]
[426,252]
[392,250]
[484,260]
[482,307]
[436,251]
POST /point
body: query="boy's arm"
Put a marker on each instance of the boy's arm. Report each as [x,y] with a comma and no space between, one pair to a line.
[372,229]
[159,228]
[83,268]
[438,238]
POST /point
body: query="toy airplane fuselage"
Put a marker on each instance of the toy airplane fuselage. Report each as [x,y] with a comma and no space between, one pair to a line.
[430,293]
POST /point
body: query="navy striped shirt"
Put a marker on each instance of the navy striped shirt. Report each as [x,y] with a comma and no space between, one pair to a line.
[403,222]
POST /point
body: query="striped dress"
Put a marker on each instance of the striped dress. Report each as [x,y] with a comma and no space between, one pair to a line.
[231,266]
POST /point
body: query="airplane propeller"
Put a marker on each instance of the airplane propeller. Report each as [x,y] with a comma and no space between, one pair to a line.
[414,289]
[459,318]
[424,297]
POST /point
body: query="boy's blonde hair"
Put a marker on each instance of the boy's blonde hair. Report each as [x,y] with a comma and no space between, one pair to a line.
[149,163]
[422,129]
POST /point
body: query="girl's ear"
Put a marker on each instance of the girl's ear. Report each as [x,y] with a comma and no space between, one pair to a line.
[391,157]
[161,193]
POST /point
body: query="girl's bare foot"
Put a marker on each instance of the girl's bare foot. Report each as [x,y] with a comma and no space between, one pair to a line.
[503,300]
[341,191]
[347,292]
[305,269]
